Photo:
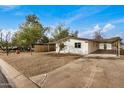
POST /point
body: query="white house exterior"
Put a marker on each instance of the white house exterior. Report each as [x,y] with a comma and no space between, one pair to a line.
[77,47]
[108,46]
[83,46]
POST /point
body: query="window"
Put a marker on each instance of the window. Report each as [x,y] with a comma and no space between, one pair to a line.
[77,45]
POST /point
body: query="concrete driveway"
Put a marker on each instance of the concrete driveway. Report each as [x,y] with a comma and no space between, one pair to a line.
[85,73]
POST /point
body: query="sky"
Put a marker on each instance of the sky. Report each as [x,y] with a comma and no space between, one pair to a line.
[85,19]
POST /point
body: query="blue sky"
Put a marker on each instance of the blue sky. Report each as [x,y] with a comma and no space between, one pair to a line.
[85,19]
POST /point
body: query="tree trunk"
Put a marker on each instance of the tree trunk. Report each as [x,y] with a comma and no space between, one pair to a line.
[7,50]
[31,49]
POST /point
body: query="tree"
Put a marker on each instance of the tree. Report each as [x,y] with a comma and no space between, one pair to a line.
[44,39]
[60,32]
[74,34]
[61,46]
[15,39]
[5,41]
[29,32]
[98,35]
[1,39]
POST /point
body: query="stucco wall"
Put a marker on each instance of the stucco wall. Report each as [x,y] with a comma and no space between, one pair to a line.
[92,46]
[70,47]
[101,45]
[108,46]
[122,46]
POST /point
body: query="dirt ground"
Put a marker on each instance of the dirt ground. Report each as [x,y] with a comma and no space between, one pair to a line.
[37,63]
[122,57]
[69,71]
[85,73]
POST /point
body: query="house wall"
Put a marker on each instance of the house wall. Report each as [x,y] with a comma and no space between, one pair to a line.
[92,46]
[108,46]
[122,49]
[122,46]
[101,45]
[70,47]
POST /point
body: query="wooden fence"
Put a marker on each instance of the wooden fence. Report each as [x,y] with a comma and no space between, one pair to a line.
[44,47]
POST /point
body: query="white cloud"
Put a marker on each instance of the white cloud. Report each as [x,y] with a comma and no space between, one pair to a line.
[96,28]
[6,31]
[120,34]
[91,31]
[103,29]
[108,27]
[20,14]
[6,8]
[118,21]
[9,30]
[84,12]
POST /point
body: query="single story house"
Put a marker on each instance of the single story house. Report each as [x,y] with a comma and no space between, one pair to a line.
[85,46]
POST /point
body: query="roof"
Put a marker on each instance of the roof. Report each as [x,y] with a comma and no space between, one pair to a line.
[110,40]
[66,38]
[50,43]
[122,43]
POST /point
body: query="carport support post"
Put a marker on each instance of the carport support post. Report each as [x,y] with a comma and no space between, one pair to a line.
[118,48]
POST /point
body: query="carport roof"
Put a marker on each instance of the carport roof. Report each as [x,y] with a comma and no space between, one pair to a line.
[110,40]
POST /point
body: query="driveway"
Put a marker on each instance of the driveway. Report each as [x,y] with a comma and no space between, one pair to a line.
[85,73]
[3,81]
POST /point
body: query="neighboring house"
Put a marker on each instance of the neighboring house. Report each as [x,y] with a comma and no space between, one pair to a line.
[85,46]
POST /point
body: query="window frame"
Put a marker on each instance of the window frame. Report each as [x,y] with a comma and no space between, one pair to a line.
[77,44]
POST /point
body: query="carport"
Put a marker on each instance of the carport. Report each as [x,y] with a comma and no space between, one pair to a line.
[108,47]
